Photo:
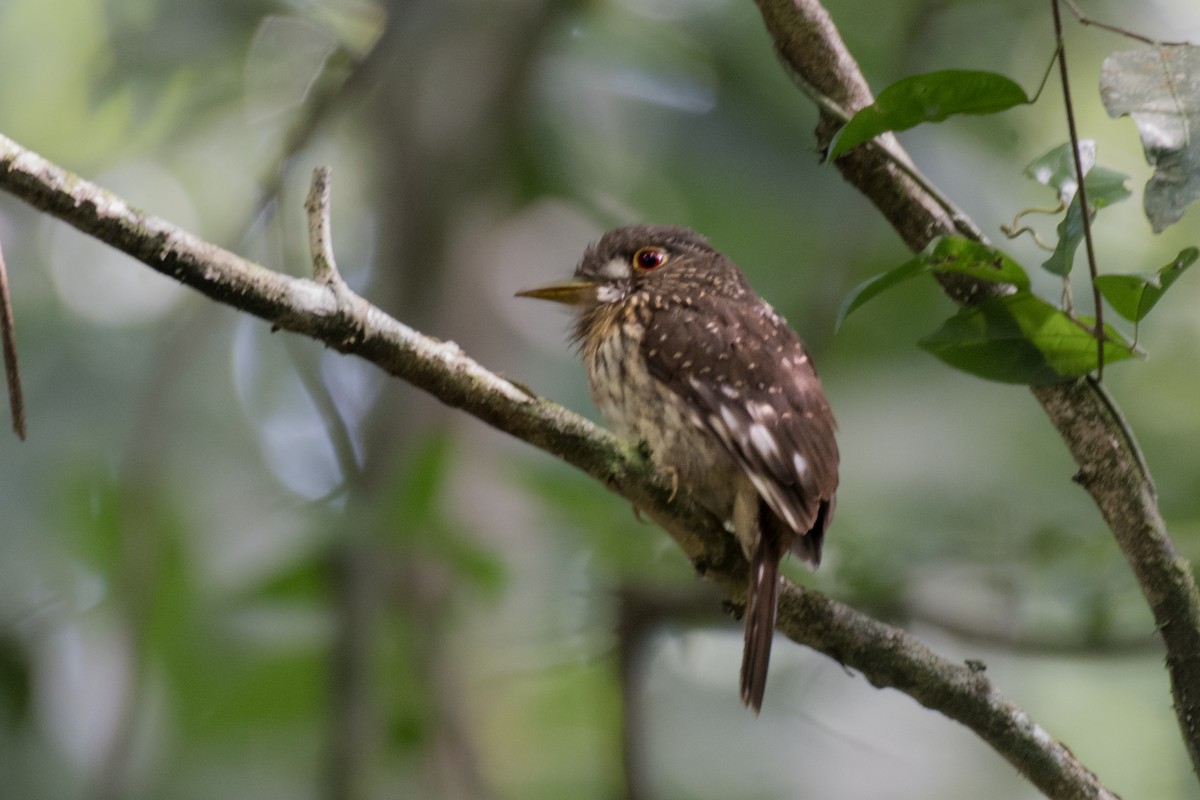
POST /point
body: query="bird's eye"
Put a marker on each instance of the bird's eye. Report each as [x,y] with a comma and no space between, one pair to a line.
[649,258]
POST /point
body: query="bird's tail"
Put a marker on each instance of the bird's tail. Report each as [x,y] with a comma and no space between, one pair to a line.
[761,601]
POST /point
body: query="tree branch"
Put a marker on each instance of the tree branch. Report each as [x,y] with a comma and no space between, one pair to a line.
[887,656]
[1111,467]
[8,343]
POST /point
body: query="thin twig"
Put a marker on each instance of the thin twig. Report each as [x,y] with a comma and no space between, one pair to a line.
[352,564]
[1082,19]
[12,371]
[1045,77]
[320,236]
[1085,209]
[320,242]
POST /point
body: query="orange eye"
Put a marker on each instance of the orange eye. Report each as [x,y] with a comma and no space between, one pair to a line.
[649,258]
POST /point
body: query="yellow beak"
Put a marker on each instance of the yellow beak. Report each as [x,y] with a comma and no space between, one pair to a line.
[571,293]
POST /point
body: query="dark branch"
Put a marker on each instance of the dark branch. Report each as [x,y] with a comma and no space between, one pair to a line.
[8,342]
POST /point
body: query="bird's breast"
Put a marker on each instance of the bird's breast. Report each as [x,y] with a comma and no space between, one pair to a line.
[638,406]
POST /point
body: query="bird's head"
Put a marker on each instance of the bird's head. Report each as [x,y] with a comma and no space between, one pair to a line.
[638,260]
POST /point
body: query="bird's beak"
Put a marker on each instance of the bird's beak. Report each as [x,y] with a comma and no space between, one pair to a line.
[571,293]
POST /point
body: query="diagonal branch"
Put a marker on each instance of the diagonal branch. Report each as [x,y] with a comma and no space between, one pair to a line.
[1111,467]
[887,656]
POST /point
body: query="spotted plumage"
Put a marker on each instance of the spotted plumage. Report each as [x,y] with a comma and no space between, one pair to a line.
[680,352]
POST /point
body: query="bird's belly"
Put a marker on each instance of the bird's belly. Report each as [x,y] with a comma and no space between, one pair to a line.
[637,406]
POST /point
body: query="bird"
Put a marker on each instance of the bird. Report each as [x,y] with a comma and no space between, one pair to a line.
[682,355]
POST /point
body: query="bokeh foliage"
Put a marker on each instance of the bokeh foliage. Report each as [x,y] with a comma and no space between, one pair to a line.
[233,564]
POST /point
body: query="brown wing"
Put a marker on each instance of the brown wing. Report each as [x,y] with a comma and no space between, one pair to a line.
[751,384]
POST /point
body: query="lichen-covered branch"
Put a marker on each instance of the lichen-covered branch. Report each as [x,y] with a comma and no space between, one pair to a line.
[1111,467]
[886,656]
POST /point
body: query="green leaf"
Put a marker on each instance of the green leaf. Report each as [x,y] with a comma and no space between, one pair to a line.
[1056,168]
[943,254]
[1021,339]
[876,286]
[969,257]
[1158,89]
[931,97]
[1104,187]
[1133,296]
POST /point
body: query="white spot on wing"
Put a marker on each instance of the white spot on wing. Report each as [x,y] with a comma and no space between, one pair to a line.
[800,464]
[731,421]
[776,501]
[763,441]
[762,412]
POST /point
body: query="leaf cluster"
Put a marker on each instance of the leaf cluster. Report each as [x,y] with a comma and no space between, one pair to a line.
[1018,337]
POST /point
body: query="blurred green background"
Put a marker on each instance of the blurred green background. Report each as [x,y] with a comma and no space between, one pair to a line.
[235,564]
